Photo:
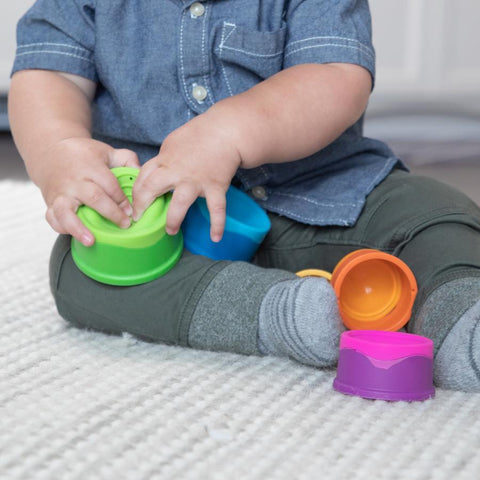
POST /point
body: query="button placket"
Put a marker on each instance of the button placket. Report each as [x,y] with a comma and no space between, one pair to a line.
[194,57]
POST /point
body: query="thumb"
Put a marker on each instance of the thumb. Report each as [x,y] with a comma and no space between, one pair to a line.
[122,157]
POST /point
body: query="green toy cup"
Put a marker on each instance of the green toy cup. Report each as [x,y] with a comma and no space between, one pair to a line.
[131,256]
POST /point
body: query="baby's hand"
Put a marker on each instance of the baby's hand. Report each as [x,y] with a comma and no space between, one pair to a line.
[198,159]
[78,173]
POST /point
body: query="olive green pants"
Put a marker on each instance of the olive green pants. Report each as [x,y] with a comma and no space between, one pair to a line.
[432,227]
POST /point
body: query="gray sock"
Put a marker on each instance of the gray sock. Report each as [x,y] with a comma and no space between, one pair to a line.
[299,318]
[451,318]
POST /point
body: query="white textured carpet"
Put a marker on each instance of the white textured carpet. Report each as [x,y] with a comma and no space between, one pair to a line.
[82,405]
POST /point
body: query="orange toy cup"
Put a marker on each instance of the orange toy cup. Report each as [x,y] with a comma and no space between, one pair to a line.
[375,290]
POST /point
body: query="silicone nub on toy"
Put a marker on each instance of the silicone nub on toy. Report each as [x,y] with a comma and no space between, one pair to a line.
[245,228]
[385,365]
[130,256]
[375,290]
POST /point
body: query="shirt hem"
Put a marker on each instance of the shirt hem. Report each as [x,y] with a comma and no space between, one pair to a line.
[299,53]
[333,214]
[66,62]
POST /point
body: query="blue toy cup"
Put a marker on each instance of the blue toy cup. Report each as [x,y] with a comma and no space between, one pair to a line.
[246,226]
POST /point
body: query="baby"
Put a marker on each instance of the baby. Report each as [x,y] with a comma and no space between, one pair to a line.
[267,95]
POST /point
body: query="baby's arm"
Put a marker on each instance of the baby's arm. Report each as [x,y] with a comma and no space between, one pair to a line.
[296,112]
[50,117]
[291,115]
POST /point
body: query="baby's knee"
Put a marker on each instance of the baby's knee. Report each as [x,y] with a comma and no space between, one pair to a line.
[407,204]
[73,301]
[60,250]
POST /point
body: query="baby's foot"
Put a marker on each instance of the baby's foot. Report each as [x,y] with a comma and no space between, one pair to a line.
[299,318]
[457,363]
[451,317]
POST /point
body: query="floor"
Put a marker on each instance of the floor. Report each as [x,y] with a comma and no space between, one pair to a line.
[464,174]
[77,404]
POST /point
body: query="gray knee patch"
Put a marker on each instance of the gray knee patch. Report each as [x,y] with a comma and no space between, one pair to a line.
[226,316]
[59,252]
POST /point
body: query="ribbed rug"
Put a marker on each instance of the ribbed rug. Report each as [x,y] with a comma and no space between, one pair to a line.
[82,405]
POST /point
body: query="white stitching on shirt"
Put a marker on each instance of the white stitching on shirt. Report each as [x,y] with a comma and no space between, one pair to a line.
[224,40]
[221,61]
[382,171]
[56,52]
[28,45]
[182,68]
[320,204]
[353,40]
[295,215]
[361,46]
[205,56]
[231,31]
[261,55]
[329,45]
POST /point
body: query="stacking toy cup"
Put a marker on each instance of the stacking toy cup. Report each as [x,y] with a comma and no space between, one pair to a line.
[130,256]
[385,365]
[375,290]
[245,228]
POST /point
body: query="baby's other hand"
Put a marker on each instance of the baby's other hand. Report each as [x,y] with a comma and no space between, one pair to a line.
[199,159]
[78,173]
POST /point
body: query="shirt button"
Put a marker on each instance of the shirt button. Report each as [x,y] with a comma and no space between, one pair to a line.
[199,93]
[197,9]
[259,192]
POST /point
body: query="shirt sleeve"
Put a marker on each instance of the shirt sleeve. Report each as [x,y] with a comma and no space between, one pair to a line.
[329,31]
[58,35]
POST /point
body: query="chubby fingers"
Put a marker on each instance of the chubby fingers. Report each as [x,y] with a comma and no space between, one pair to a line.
[114,205]
[122,157]
[217,208]
[150,184]
[154,181]
[61,216]
[153,184]
[183,197]
[118,157]
[106,197]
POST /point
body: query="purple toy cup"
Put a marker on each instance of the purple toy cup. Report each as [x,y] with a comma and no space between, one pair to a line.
[385,365]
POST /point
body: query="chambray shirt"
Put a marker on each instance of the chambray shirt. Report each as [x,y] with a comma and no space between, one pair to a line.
[158,63]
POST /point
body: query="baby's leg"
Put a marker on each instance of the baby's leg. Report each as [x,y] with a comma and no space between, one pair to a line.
[448,308]
[199,303]
[436,231]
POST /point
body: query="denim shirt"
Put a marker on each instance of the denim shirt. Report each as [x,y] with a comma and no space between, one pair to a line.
[158,63]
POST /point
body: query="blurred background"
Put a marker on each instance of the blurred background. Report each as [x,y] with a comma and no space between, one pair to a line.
[426,102]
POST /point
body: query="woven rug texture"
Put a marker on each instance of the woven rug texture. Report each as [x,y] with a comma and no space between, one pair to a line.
[76,404]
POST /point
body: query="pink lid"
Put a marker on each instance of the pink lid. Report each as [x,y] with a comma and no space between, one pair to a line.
[384,345]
